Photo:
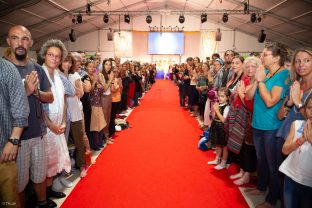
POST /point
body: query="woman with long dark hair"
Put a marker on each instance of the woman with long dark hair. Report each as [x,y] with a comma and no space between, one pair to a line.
[106,97]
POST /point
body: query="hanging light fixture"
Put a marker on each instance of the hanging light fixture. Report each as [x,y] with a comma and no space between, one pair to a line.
[149,19]
[74,20]
[253,17]
[127,18]
[225,17]
[79,18]
[181,19]
[105,18]
[203,18]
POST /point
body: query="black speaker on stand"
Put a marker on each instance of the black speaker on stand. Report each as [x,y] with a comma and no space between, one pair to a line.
[261,36]
[72,35]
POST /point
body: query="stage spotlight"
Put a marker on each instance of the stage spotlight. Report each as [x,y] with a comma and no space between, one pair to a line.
[88,9]
[73,20]
[181,19]
[149,19]
[225,17]
[203,18]
[79,18]
[127,18]
[105,18]
[259,19]
[261,36]
[253,17]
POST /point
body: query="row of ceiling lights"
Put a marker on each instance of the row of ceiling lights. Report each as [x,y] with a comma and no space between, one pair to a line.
[254,18]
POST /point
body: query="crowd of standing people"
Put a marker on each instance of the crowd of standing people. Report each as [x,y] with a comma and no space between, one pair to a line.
[63,98]
[256,111]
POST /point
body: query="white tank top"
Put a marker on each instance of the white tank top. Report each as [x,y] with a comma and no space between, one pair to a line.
[108,91]
[298,164]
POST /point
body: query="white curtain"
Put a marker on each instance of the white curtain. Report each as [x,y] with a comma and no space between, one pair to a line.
[208,44]
[123,44]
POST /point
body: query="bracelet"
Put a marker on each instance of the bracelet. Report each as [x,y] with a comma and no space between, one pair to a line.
[288,106]
[260,82]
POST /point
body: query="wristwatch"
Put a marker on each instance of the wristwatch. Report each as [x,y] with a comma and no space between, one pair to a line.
[299,106]
[15,141]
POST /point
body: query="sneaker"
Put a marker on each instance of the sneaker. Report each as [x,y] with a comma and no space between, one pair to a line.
[214,162]
[220,166]
[118,128]
[66,182]
[57,185]
[72,161]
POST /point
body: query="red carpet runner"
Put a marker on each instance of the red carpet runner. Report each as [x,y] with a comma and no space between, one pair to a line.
[156,163]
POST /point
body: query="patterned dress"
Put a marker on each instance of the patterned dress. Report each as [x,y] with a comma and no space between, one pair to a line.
[97,116]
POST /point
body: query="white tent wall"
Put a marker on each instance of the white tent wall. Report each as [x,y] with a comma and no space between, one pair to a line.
[231,39]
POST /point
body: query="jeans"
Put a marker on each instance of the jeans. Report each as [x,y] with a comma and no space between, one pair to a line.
[181,99]
[266,148]
[136,99]
[296,195]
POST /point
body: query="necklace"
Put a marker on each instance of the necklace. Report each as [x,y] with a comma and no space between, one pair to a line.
[273,74]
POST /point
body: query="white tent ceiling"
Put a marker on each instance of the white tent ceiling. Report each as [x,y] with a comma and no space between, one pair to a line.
[285,21]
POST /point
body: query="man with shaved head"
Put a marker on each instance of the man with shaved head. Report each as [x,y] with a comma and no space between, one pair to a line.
[31,158]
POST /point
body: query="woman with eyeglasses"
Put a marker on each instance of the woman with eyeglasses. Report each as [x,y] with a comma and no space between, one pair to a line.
[269,90]
[52,52]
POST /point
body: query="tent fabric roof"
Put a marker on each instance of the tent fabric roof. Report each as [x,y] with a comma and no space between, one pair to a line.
[286,21]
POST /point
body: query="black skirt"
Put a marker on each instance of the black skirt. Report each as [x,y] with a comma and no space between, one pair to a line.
[216,134]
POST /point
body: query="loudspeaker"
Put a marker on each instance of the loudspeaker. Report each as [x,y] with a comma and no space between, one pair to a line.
[72,35]
[261,36]
[110,36]
[218,35]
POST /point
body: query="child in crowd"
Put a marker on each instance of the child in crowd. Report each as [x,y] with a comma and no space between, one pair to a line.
[297,166]
[216,135]
[180,83]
